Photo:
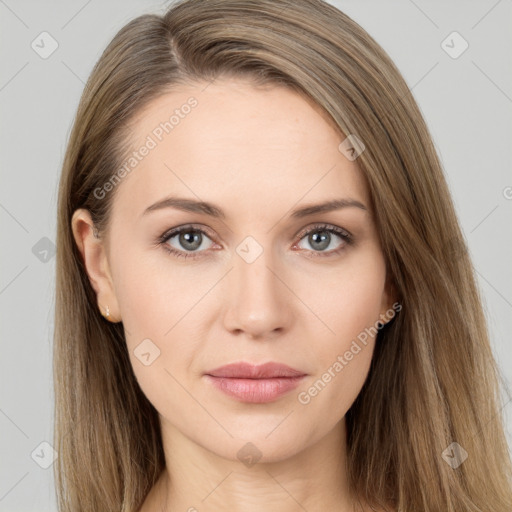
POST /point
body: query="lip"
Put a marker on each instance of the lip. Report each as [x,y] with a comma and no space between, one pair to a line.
[244,370]
[255,383]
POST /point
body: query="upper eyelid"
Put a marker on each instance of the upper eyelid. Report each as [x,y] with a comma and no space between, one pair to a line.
[322,225]
[191,227]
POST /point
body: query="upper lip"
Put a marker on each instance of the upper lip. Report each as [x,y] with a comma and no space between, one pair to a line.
[250,371]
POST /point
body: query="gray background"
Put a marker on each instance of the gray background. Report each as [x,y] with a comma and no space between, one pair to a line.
[466,102]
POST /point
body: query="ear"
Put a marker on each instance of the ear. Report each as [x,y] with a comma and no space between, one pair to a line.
[389,305]
[95,260]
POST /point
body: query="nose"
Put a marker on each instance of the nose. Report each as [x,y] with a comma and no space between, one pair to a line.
[258,300]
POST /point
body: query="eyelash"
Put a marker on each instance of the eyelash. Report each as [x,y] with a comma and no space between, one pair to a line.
[344,235]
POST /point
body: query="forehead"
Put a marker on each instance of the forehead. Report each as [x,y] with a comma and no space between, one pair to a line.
[231,140]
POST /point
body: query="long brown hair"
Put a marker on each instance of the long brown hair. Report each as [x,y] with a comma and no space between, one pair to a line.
[433,380]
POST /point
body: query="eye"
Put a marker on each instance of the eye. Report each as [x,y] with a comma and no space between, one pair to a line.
[189,241]
[188,238]
[320,237]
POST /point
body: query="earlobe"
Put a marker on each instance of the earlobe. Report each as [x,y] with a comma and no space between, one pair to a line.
[94,256]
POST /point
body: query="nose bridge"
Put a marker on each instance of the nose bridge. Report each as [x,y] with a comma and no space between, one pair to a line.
[258,304]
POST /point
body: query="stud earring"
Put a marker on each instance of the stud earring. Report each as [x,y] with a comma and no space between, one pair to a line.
[108,316]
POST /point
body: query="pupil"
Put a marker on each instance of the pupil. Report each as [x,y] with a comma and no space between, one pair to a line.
[324,239]
[187,240]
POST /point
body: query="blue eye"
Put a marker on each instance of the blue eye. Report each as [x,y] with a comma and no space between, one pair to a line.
[320,237]
[192,239]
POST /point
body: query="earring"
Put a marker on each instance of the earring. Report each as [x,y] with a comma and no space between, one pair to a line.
[108,316]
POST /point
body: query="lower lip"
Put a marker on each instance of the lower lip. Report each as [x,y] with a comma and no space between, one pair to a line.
[256,391]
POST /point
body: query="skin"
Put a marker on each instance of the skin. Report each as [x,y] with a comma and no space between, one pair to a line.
[257,153]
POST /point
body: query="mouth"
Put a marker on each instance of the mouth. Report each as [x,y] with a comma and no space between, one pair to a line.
[255,383]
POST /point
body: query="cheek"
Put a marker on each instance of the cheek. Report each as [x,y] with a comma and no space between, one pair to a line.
[343,359]
[138,298]
[350,305]
[348,301]
[157,305]
[331,393]
[151,309]
[152,294]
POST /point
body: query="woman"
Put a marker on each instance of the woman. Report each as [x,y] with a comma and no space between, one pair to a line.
[262,284]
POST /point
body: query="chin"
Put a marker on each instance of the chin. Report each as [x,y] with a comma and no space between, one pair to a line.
[256,446]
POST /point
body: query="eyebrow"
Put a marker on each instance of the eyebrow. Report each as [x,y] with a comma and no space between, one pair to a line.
[202,207]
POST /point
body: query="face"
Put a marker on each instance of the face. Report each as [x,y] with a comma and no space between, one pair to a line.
[248,279]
